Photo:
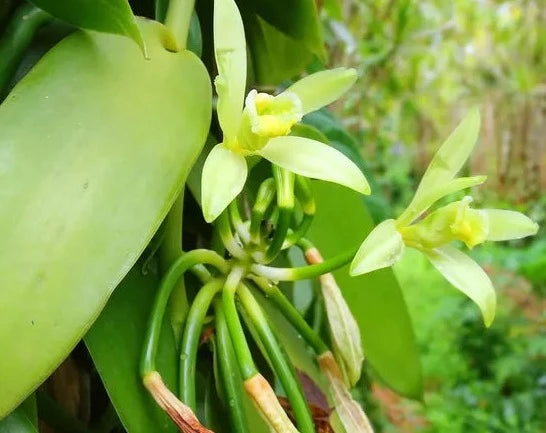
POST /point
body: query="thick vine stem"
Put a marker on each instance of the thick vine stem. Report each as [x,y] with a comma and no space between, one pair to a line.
[190,340]
[168,282]
[240,345]
[304,272]
[281,366]
[229,373]
[178,20]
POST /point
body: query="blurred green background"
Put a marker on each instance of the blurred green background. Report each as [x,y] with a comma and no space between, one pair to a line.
[422,65]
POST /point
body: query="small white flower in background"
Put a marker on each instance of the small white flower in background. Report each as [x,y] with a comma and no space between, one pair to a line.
[455,222]
[262,127]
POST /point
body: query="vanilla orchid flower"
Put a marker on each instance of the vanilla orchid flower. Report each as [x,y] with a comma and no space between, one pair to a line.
[456,221]
[260,124]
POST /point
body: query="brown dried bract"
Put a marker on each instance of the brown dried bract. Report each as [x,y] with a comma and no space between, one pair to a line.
[181,414]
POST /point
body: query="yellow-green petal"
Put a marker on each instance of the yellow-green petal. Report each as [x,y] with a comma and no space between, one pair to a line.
[311,158]
[467,276]
[323,88]
[507,224]
[382,248]
[230,54]
[435,193]
[447,161]
[223,178]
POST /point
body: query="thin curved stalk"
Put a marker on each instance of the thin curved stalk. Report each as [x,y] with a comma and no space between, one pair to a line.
[275,295]
[166,286]
[190,340]
[228,369]
[281,366]
[240,345]
[304,272]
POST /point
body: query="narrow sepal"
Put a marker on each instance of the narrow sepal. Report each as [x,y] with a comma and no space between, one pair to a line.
[323,88]
[223,178]
[230,54]
[467,276]
[382,248]
[507,224]
[316,160]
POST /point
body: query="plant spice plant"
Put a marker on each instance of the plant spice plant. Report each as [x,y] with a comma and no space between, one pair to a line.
[97,142]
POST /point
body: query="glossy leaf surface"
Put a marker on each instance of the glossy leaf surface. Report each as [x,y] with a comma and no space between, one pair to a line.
[298,19]
[95,145]
[375,299]
[109,16]
[17,422]
[275,56]
[115,343]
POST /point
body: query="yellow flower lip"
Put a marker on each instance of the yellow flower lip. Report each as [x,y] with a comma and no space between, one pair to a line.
[455,221]
[273,116]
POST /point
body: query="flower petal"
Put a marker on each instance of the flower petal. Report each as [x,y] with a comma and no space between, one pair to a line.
[223,178]
[435,193]
[322,88]
[448,160]
[382,248]
[230,54]
[507,224]
[314,159]
[467,276]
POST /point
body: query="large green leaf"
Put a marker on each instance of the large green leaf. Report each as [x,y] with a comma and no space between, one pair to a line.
[109,16]
[296,18]
[375,299]
[275,56]
[115,342]
[95,145]
[17,422]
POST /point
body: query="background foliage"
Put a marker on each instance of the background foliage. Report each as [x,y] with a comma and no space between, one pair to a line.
[422,65]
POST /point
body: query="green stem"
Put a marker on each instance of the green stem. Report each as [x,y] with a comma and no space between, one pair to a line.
[237,222]
[224,229]
[166,286]
[284,181]
[293,237]
[231,379]
[290,312]
[304,272]
[16,39]
[169,251]
[304,194]
[178,20]
[240,345]
[190,340]
[264,198]
[283,369]
[171,240]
